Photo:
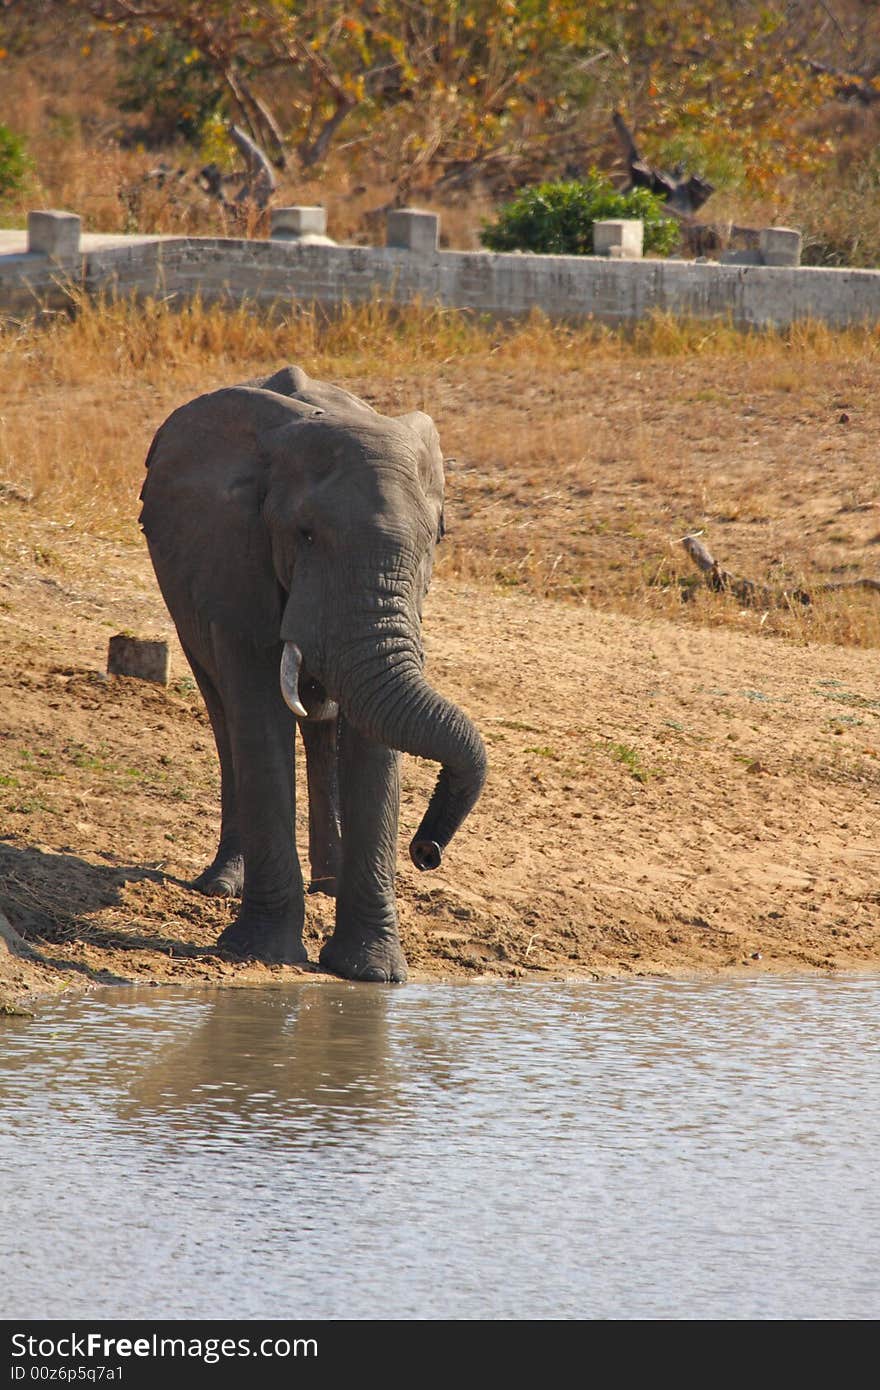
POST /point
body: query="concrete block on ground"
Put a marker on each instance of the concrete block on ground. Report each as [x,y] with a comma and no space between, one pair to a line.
[620,237]
[781,246]
[742,257]
[145,658]
[298,222]
[54,234]
[412,230]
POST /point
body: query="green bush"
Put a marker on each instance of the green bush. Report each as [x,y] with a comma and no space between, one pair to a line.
[557,218]
[15,162]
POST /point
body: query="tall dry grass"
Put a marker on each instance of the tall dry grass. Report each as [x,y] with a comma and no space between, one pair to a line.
[579,456]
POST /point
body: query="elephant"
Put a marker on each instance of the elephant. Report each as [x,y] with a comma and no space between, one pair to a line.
[292,530]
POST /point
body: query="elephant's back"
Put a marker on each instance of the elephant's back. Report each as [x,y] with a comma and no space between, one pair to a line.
[296,384]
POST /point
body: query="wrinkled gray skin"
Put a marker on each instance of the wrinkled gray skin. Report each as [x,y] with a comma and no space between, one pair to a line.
[292,530]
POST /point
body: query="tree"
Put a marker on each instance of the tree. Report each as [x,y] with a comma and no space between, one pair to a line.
[720,85]
[462,70]
[512,90]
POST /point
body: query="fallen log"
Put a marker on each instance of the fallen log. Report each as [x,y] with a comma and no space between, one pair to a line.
[755,595]
[872,584]
[746,590]
[682,195]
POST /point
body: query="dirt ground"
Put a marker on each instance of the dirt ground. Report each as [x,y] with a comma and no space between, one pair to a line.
[662,799]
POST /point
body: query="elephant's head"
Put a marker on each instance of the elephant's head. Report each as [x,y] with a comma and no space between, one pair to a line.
[320,518]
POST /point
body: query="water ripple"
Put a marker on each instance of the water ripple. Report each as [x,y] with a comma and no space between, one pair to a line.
[622,1150]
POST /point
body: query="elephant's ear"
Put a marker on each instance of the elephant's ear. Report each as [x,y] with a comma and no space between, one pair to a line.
[202,497]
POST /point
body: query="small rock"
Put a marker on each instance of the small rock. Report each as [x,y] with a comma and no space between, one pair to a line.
[146,659]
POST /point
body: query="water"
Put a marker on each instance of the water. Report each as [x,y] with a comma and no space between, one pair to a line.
[610,1150]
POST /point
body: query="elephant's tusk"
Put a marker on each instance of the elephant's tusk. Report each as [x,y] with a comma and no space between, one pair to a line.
[290,663]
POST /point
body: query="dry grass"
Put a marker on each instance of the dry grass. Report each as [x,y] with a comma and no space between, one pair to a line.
[579,457]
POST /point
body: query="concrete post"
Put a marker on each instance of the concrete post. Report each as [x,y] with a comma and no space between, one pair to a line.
[287,223]
[412,230]
[781,246]
[54,234]
[620,237]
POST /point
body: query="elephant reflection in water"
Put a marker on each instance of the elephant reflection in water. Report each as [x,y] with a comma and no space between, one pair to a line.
[319,1048]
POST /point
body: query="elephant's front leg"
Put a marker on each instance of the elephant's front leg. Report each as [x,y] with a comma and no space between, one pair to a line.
[365,944]
[320,740]
[261,729]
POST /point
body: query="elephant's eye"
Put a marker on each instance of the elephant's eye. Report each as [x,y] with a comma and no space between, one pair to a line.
[307,534]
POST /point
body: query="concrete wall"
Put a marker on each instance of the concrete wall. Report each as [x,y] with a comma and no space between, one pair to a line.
[279,273]
[29,283]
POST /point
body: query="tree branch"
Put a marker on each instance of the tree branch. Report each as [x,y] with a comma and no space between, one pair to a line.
[684,196]
[849,86]
[262,182]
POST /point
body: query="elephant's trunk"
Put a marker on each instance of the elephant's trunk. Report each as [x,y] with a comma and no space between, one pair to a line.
[389,701]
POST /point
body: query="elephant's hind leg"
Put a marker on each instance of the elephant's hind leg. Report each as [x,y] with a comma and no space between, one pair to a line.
[224,876]
[319,740]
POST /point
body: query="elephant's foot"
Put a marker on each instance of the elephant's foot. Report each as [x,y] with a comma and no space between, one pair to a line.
[324,883]
[356,956]
[254,936]
[222,879]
